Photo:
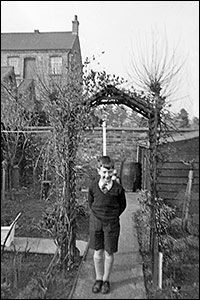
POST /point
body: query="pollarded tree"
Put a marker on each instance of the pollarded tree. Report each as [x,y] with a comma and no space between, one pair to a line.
[155,71]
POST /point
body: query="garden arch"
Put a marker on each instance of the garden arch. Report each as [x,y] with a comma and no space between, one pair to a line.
[150,110]
[112,95]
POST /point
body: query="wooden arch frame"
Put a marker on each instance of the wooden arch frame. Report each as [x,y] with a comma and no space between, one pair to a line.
[112,95]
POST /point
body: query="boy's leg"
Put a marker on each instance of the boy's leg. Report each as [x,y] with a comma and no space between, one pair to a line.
[108,264]
[99,264]
[111,236]
[109,260]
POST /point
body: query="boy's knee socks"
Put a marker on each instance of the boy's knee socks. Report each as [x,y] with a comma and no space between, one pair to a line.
[108,267]
[99,267]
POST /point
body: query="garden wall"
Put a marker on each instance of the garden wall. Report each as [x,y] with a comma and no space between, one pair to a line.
[123,144]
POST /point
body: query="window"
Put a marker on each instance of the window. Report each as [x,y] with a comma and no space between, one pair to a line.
[14,62]
[56,65]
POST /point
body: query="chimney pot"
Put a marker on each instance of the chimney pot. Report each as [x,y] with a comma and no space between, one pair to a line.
[75,25]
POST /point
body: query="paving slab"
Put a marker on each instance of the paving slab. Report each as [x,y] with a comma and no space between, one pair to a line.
[127,280]
[40,245]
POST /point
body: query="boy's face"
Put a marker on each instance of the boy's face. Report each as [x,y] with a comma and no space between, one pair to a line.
[105,174]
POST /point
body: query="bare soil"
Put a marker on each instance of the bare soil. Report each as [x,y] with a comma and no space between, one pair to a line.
[22,274]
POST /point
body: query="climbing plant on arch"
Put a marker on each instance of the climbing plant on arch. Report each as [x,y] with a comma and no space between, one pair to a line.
[69,112]
[69,106]
[150,107]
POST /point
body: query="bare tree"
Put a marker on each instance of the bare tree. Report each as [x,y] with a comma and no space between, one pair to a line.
[155,66]
[14,118]
[155,71]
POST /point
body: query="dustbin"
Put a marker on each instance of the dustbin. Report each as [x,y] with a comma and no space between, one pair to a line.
[130,175]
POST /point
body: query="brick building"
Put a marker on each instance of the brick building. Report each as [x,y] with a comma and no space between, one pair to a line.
[35,53]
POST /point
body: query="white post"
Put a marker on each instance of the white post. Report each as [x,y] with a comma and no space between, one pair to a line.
[160,259]
[104,137]
[3,180]
[137,154]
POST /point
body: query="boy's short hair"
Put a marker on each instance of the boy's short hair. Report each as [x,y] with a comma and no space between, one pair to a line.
[106,162]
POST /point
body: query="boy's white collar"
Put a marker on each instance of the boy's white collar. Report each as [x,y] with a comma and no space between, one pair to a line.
[108,185]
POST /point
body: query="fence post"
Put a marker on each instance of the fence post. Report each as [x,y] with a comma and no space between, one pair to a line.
[104,137]
[3,186]
[15,177]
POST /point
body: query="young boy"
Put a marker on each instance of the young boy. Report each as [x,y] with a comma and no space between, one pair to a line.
[107,201]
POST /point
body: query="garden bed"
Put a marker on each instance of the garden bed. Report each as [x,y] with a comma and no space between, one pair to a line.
[180,269]
[23,274]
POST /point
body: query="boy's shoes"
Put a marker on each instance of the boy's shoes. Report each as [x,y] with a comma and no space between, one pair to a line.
[105,287]
[97,286]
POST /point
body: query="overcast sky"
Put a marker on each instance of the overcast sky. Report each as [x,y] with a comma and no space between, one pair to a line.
[117,27]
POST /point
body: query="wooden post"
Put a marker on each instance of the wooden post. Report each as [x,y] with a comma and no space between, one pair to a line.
[155,260]
[187,199]
[3,165]
[104,137]
[160,262]
[138,151]
[153,139]
[15,177]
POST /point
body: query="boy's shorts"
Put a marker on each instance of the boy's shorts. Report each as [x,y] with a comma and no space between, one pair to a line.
[104,235]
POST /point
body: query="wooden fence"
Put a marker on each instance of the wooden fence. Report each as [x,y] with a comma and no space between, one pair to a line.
[173,173]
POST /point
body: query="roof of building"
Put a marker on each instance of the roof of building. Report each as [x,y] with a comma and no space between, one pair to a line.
[175,137]
[6,70]
[37,40]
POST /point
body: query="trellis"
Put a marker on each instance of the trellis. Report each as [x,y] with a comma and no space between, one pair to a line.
[151,111]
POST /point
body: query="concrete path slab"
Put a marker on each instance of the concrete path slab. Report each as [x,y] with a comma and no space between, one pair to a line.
[127,280]
[40,245]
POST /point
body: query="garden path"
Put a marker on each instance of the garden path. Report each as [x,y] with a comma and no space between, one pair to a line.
[127,281]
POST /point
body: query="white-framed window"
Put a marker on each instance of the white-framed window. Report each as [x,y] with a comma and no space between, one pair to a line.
[56,65]
[13,61]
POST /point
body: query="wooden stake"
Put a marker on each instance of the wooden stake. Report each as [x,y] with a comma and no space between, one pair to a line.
[160,261]
[104,137]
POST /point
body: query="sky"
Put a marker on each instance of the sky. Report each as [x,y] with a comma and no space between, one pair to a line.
[117,32]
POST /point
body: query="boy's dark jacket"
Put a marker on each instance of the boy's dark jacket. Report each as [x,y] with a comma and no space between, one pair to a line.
[109,206]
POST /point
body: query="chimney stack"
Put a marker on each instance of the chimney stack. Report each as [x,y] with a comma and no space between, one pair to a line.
[75,25]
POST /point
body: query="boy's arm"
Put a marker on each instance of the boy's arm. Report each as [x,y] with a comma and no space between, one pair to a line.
[122,202]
